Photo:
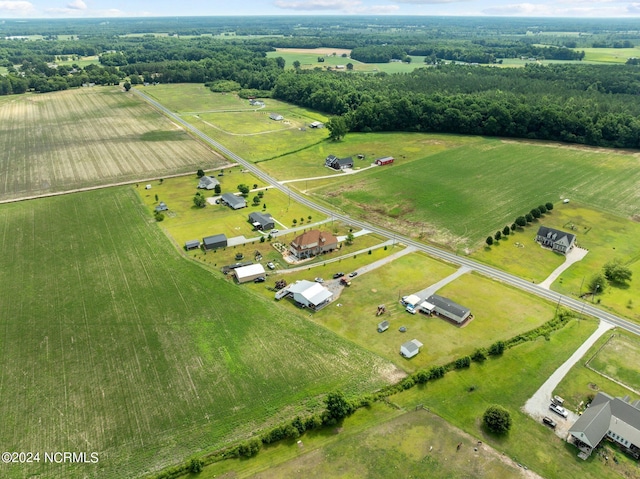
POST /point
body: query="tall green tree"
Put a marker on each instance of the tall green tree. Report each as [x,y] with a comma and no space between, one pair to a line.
[497,419]
[337,127]
[616,272]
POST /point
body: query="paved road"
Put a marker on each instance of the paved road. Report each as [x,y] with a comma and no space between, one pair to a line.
[496,274]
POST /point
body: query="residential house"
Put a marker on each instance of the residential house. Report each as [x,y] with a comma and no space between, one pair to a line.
[448,309]
[233,201]
[312,243]
[336,163]
[208,183]
[410,348]
[617,419]
[310,294]
[261,221]
[557,240]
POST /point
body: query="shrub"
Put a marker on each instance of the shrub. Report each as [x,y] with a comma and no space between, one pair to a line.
[464,362]
[497,348]
[158,216]
[497,419]
[196,465]
[479,355]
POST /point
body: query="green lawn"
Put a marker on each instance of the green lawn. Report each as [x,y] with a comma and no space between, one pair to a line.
[610,55]
[112,342]
[619,358]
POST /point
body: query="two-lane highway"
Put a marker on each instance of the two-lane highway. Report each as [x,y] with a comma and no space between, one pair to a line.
[494,273]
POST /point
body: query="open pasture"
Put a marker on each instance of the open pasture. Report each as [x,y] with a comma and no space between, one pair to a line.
[500,312]
[461,194]
[86,137]
[114,343]
[619,359]
[610,55]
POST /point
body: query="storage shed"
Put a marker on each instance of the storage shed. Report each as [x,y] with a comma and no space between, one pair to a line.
[261,221]
[192,244]
[249,273]
[387,160]
[383,326]
[410,348]
[215,241]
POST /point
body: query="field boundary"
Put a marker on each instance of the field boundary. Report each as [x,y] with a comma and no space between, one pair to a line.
[604,375]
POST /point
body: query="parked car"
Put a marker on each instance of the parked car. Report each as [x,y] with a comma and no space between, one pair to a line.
[410,309]
[270,265]
[274,231]
[559,410]
[260,279]
[351,275]
[319,280]
[558,400]
[549,422]
[338,275]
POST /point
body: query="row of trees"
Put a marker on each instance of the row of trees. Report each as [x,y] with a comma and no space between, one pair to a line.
[520,222]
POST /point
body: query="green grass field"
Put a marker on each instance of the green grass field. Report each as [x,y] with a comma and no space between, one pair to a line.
[87,137]
[114,343]
[610,55]
[619,359]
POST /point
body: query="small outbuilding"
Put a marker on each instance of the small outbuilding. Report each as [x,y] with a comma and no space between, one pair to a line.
[387,160]
[411,300]
[261,221]
[276,117]
[162,207]
[316,124]
[426,307]
[410,348]
[249,273]
[383,326]
[192,244]
[208,183]
[310,294]
[234,202]
[215,241]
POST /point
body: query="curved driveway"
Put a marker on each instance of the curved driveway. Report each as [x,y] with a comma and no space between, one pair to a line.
[496,274]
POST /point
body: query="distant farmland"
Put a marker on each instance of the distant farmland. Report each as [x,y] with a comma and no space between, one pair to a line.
[113,343]
[86,137]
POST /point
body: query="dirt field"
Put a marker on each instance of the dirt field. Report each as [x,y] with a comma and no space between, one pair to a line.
[85,137]
[318,51]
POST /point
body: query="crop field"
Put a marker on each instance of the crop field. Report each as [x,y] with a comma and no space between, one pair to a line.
[459,195]
[619,359]
[86,137]
[500,312]
[509,381]
[114,343]
[243,129]
[610,55]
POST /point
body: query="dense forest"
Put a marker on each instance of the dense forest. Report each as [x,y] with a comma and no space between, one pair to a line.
[452,92]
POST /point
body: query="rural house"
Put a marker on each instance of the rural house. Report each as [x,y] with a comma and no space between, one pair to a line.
[557,240]
[312,243]
[249,273]
[261,221]
[445,307]
[276,117]
[232,201]
[208,183]
[410,348]
[616,418]
[387,160]
[310,294]
[338,163]
[215,241]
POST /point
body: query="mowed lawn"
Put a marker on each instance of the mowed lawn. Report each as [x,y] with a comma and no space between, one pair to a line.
[113,343]
[87,137]
[459,196]
[244,129]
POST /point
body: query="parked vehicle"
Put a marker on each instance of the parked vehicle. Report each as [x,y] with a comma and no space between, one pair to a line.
[319,280]
[351,275]
[549,422]
[270,265]
[260,279]
[410,309]
[559,410]
[274,231]
[338,275]
[558,400]
[345,282]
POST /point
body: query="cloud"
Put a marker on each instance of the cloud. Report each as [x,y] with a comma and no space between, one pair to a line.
[18,7]
[381,9]
[342,5]
[429,2]
[518,9]
[77,5]
[561,8]
[633,8]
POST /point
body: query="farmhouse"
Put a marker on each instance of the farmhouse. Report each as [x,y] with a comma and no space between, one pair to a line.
[312,243]
[616,418]
[249,273]
[208,183]
[310,294]
[233,201]
[192,244]
[338,163]
[162,207]
[555,239]
[215,241]
[450,310]
[316,124]
[276,117]
[387,160]
[410,348]
[261,221]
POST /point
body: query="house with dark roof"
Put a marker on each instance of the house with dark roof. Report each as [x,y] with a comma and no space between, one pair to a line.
[555,239]
[215,241]
[261,221]
[192,244]
[445,307]
[232,201]
[208,183]
[312,243]
[336,163]
[617,419]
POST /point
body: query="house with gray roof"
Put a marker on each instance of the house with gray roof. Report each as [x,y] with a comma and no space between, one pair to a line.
[557,240]
[208,183]
[215,241]
[310,294]
[618,419]
[449,309]
[336,163]
[233,201]
[261,221]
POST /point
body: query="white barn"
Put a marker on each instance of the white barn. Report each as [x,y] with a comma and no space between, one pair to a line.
[410,348]
[249,273]
[310,294]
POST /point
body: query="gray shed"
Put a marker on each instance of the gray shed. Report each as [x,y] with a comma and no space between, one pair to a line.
[383,326]
[192,244]
[261,221]
[215,241]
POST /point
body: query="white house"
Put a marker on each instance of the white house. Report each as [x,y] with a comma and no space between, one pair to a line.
[249,273]
[410,348]
[310,294]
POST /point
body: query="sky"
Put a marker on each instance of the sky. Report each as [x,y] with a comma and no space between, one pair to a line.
[162,8]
